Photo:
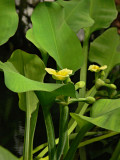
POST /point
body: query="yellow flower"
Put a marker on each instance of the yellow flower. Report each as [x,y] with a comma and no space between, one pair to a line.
[59,75]
[96,68]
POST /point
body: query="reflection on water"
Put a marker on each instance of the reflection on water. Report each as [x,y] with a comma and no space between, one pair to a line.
[19,138]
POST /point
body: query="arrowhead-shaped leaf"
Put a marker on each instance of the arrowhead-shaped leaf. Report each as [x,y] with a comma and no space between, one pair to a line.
[77,14]
[105,113]
[8,20]
[53,35]
[104,50]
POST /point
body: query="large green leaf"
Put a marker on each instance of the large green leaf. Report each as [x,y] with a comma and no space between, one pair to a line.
[8,20]
[18,83]
[103,12]
[52,33]
[32,67]
[105,113]
[104,50]
[6,155]
[77,14]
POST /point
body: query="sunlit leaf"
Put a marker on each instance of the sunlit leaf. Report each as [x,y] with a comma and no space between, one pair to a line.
[105,113]
[52,34]
[77,14]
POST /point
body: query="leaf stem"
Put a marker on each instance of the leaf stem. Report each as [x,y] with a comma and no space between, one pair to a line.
[63,133]
[26,155]
[76,141]
[98,139]
[50,134]
[72,124]
[83,72]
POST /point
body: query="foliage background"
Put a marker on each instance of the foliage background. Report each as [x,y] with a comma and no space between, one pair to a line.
[12,119]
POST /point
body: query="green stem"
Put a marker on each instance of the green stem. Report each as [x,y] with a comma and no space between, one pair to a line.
[63,134]
[116,152]
[33,121]
[97,139]
[72,136]
[44,151]
[50,133]
[67,145]
[83,72]
[72,124]
[26,155]
[76,141]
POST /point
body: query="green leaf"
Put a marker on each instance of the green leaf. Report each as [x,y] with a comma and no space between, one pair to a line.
[18,83]
[47,98]
[103,13]
[32,67]
[6,155]
[105,113]
[52,33]
[8,20]
[77,14]
[104,50]
[80,121]
[31,37]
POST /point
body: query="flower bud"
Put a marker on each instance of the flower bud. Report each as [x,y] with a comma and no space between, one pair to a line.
[102,74]
[90,100]
[107,80]
[112,86]
[79,85]
[99,83]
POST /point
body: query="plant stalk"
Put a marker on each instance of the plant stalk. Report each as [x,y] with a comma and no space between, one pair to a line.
[83,72]
[63,133]
[76,141]
[27,155]
[50,134]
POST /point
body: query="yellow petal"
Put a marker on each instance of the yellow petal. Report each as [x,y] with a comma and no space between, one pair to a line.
[59,77]
[94,68]
[103,67]
[64,72]
[50,71]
